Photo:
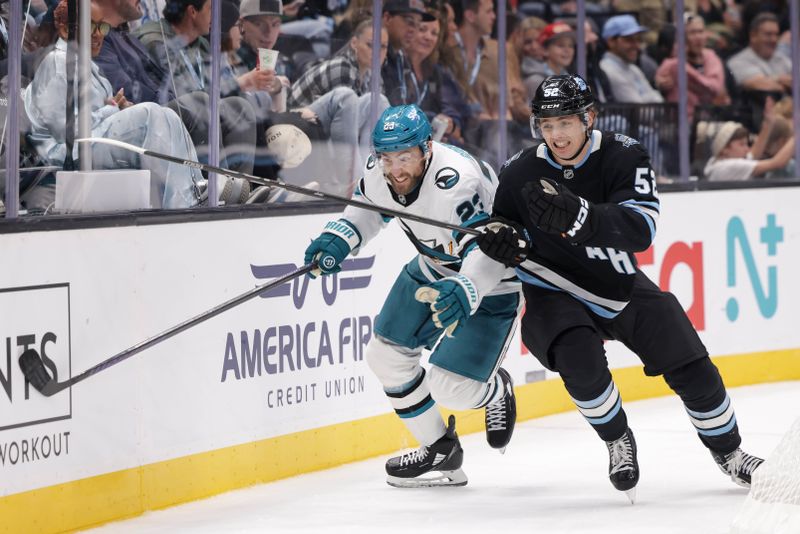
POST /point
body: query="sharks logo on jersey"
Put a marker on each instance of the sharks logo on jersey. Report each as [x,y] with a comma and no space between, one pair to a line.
[446,178]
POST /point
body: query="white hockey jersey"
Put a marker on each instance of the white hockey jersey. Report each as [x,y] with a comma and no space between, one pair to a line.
[456,188]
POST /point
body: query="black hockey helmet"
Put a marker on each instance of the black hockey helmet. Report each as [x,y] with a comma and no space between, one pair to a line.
[560,95]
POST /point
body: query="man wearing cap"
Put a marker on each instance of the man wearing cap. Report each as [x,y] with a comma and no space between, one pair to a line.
[261,27]
[558,41]
[401,18]
[331,114]
[126,64]
[623,37]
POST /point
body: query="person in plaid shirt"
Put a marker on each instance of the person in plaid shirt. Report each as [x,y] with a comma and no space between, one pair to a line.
[349,67]
[343,81]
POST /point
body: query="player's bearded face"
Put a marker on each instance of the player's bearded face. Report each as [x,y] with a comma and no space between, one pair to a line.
[403,169]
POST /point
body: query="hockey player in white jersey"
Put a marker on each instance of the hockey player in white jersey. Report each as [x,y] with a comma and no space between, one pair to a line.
[450,293]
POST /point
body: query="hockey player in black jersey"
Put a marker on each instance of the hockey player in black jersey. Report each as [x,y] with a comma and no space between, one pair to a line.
[588,201]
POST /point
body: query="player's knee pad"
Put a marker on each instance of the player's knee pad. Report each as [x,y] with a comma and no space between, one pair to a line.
[455,391]
[393,364]
[580,359]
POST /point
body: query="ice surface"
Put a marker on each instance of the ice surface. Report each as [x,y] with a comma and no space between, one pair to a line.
[551,480]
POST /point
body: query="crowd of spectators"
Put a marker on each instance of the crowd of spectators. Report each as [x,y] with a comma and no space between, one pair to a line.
[151,80]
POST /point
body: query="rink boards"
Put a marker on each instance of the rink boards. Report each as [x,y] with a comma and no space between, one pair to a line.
[279,385]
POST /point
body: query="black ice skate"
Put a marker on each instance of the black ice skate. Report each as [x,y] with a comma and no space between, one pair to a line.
[444,456]
[623,468]
[501,415]
[738,465]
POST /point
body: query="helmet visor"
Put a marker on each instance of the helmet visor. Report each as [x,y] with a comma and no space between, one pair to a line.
[565,124]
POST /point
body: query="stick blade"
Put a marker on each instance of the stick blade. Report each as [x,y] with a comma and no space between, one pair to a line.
[33,368]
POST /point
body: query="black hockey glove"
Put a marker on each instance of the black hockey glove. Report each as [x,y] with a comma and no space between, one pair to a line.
[557,210]
[504,241]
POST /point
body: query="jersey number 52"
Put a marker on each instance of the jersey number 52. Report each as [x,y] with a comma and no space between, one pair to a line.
[645,181]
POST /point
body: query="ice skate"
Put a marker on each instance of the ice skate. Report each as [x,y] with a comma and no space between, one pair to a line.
[738,465]
[623,467]
[501,415]
[419,468]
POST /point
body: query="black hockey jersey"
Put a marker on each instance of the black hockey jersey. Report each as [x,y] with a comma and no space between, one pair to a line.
[616,177]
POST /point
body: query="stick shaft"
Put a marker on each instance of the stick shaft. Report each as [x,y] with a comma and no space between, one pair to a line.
[185,325]
[291,187]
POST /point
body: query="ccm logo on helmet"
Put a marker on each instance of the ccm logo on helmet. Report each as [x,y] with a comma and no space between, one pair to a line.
[580,219]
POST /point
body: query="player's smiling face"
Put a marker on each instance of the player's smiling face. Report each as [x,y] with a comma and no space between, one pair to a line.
[564,135]
[403,169]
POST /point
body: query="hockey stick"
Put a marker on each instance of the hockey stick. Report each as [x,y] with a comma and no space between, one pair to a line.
[281,184]
[33,367]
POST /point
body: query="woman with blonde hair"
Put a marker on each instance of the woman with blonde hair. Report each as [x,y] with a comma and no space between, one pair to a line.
[429,84]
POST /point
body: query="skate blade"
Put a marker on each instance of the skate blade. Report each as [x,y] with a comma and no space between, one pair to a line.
[631,493]
[739,482]
[446,478]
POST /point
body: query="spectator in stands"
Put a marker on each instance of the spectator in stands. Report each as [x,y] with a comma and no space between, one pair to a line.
[146,125]
[779,135]
[401,18]
[478,71]
[431,86]
[760,67]
[356,11]
[623,38]
[450,60]
[235,78]
[750,9]
[529,50]
[350,67]
[301,20]
[450,28]
[732,159]
[328,117]
[348,70]
[180,55]
[478,19]
[475,20]
[260,28]
[650,12]
[449,54]
[595,75]
[712,11]
[704,70]
[558,42]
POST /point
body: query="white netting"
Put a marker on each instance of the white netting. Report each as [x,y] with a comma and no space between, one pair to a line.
[773,504]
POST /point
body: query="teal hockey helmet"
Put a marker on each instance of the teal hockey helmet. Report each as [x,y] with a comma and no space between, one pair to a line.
[400,128]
